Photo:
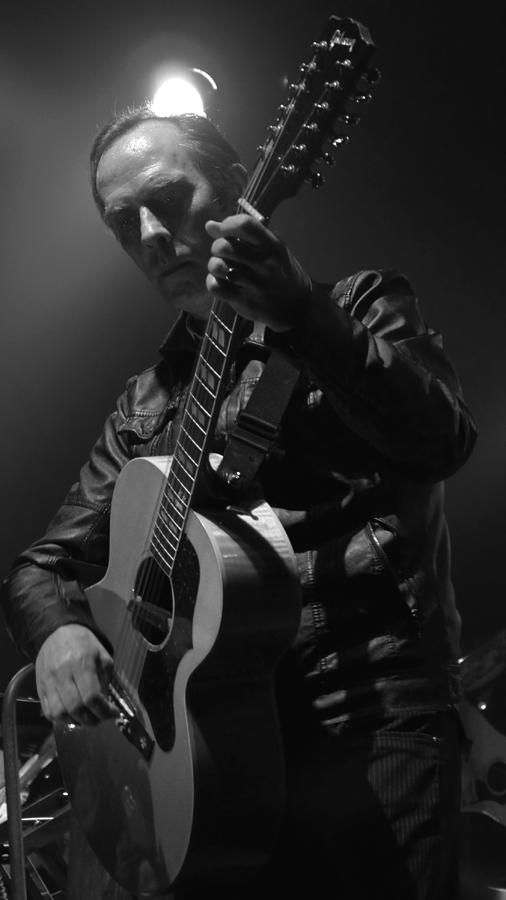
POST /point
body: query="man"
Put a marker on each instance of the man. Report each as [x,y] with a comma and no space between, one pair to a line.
[366,693]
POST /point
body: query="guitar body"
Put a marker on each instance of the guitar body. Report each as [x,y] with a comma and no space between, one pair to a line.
[205,799]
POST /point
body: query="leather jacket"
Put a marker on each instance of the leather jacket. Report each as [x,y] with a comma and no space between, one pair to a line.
[375,424]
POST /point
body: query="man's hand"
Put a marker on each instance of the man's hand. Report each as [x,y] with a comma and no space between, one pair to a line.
[253,270]
[73,669]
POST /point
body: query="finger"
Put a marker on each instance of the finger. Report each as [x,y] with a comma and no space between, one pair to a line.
[238,250]
[225,270]
[44,705]
[244,227]
[224,248]
[50,700]
[91,690]
[62,701]
[219,286]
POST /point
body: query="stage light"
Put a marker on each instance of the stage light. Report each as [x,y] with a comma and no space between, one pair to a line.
[179,94]
[175,95]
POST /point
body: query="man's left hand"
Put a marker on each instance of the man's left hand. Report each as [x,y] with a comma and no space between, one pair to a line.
[253,270]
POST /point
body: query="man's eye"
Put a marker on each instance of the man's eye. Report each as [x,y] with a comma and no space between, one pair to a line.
[125,225]
[170,208]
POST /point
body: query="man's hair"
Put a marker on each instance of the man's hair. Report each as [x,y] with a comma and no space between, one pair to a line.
[210,151]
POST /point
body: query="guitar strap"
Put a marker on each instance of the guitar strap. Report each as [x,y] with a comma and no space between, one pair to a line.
[258,424]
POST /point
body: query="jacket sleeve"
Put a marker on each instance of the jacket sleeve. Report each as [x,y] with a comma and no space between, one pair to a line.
[386,374]
[43,590]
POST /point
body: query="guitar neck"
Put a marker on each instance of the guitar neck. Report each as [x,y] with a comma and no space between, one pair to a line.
[315,103]
[200,412]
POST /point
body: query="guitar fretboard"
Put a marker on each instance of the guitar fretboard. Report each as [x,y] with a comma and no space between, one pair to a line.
[198,418]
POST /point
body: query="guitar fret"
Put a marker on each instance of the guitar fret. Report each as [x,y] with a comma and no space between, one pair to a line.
[217,335]
[169,535]
[184,462]
[209,366]
[195,463]
[170,522]
[206,414]
[175,503]
[204,385]
[163,541]
[203,399]
[164,512]
[215,345]
[217,319]
[207,377]
[165,560]
[187,433]
[179,490]
[195,422]
[175,477]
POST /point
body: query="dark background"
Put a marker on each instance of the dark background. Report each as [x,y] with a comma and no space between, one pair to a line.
[419,188]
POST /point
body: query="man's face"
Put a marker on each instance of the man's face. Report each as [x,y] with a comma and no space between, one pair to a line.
[156,203]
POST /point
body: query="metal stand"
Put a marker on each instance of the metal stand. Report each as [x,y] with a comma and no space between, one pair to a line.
[12,797]
[35,865]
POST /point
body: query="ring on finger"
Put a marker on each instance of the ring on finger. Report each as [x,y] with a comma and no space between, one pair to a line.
[230,274]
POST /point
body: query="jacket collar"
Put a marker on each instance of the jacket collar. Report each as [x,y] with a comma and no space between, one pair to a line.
[181,339]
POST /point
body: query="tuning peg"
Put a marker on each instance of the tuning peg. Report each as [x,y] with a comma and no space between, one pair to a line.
[361,98]
[327,158]
[348,119]
[372,75]
[333,86]
[299,149]
[340,140]
[297,87]
[289,169]
[322,107]
[307,67]
[316,46]
[274,130]
[310,127]
[315,179]
[261,150]
[343,63]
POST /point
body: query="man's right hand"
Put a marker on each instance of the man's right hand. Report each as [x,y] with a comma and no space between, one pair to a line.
[72,670]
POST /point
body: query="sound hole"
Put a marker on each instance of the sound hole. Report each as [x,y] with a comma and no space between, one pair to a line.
[153,605]
[156,688]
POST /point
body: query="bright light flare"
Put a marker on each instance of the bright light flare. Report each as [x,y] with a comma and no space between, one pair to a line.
[176,96]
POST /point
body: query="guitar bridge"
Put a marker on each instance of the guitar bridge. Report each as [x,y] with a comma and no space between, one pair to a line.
[129,725]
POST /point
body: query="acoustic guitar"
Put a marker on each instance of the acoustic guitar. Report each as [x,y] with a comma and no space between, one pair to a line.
[187,782]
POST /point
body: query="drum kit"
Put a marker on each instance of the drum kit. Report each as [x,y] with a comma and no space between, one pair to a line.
[35,813]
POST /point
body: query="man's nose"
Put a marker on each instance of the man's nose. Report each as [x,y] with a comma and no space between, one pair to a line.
[154,233]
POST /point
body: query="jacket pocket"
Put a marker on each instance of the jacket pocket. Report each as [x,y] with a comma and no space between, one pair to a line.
[384,543]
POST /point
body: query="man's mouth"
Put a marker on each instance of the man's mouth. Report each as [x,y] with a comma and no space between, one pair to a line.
[175,267]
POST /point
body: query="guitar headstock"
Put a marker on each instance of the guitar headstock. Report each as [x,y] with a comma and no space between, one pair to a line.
[316,111]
